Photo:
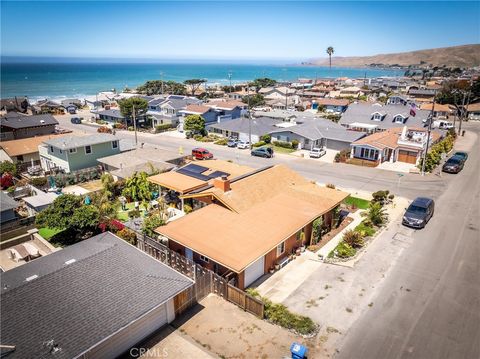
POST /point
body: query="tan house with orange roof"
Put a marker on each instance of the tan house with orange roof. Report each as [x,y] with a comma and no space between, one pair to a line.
[24,150]
[402,144]
[439,111]
[247,224]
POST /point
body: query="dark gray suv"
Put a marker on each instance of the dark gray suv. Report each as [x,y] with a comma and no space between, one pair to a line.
[419,212]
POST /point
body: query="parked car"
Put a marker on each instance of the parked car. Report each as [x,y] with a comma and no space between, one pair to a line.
[266,152]
[76,120]
[443,125]
[232,142]
[419,212]
[453,165]
[461,154]
[243,145]
[201,154]
[317,152]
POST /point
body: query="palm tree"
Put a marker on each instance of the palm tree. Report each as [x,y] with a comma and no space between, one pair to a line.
[330,52]
[376,213]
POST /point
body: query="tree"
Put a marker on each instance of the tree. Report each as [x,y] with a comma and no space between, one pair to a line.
[376,213]
[194,84]
[263,82]
[137,187]
[108,184]
[317,230]
[126,106]
[152,222]
[8,167]
[85,218]
[330,52]
[255,100]
[157,87]
[194,123]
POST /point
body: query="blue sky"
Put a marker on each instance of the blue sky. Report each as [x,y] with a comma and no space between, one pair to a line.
[232,30]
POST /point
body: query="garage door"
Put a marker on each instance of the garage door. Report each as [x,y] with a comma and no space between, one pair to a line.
[131,335]
[407,156]
[254,271]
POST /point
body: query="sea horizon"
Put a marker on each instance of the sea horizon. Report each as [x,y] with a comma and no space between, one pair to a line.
[58,80]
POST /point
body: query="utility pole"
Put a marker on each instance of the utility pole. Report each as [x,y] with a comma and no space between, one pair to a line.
[248,117]
[230,78]
[134,125]
[161,77]
[465,108]
[430,120]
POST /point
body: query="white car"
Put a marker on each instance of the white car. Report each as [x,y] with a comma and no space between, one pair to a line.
[317,152]
[243,145]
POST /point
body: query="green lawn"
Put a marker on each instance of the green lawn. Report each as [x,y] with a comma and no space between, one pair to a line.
[48,233]
[357,202]
[278,149]
[123,215]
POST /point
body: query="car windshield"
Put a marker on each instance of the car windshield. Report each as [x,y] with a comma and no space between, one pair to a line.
[416,209]
[454,161]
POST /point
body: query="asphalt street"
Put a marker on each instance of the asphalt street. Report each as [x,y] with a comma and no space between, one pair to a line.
[429,305]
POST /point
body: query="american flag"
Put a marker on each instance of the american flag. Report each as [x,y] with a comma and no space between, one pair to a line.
[413,109]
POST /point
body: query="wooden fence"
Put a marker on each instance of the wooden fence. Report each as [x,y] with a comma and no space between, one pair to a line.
[206,281]
[362,162]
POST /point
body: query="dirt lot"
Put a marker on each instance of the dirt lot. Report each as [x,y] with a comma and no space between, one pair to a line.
[227,331]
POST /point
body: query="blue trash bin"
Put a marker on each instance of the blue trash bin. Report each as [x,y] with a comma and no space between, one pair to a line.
[298,351]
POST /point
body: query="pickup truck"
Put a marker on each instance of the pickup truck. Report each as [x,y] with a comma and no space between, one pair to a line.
[317,152]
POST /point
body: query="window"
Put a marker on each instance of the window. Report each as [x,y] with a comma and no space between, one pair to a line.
[51,149]
[399,119]
[204,259]
[20,158]
[114,144]
[377,117]
[88,150]
[281,249]
[72,150]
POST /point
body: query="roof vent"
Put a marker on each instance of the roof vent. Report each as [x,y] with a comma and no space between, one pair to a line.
[42,121]
[32,277]
[70,261]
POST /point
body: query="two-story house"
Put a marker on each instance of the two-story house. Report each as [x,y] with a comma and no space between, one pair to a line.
[402,144]
[14,126]
[246,224]
[227,110]
[73,153]
[167,110]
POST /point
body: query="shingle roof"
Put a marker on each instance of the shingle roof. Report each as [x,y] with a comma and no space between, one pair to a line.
[28,121]
[362,113]
[110,284]
[25,146]
[67,142]
[7,202]
[112,113]
[259,126]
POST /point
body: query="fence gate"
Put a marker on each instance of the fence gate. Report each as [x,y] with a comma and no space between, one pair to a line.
[203,282]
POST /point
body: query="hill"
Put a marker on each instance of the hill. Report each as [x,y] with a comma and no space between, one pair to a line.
[455,56]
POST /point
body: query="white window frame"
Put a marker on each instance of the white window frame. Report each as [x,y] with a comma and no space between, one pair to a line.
[72,150]
[115,142]
[377,117]
[91,150]
[281,249]
[204,259]
[399,117]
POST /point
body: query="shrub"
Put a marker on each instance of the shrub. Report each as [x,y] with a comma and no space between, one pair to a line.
[282,144]
[151,223]
[391,197]
[187,209]
[266,138]
[162,128]
[120,126]
[342,156]
[353,238]
[294,144]
[343,250]
[365,228]
[380,196]
[130,128]
[134,213]
[39,182]
[6,180]
[280,315]
[259,144]
[222,142]
[7,166]
[104,129]
[197,137]
[128,235]
[330,185]
[376,214]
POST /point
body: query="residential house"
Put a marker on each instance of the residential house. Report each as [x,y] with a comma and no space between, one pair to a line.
[347,92]
[24,150]
[252,222]
[167,110]
[47,106]
[370,118]
[441,112]
[227,110]
[473,111]
[111,115]
[72,101]
[421,94]
[73,153]
[7,208]
[39,201]
[208,113]
[397,144]
[315,132]
[244,129]
[93,299]
[397,100]
[17,126]
[125,164]
[331,105]
[16,104]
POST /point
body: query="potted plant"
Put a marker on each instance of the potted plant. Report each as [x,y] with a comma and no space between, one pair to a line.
[277,266]
[298,251]
[271,270]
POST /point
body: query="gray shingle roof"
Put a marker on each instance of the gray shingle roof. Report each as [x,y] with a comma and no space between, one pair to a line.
[362,113]
[28,121]
[7,202]
[260,125]
[110,284]
[66,142]
[112,113]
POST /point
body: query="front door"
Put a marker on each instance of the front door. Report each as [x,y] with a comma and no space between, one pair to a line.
[189,253]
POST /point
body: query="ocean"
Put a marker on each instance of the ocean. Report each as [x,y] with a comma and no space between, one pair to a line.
[79,80]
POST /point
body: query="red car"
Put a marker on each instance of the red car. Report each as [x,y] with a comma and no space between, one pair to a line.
[201,154]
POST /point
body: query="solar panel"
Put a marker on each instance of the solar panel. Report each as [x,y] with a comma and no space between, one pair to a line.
[193,174]
[218,174]
[195,168]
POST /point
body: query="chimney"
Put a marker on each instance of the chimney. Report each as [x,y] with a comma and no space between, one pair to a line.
[222,183]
